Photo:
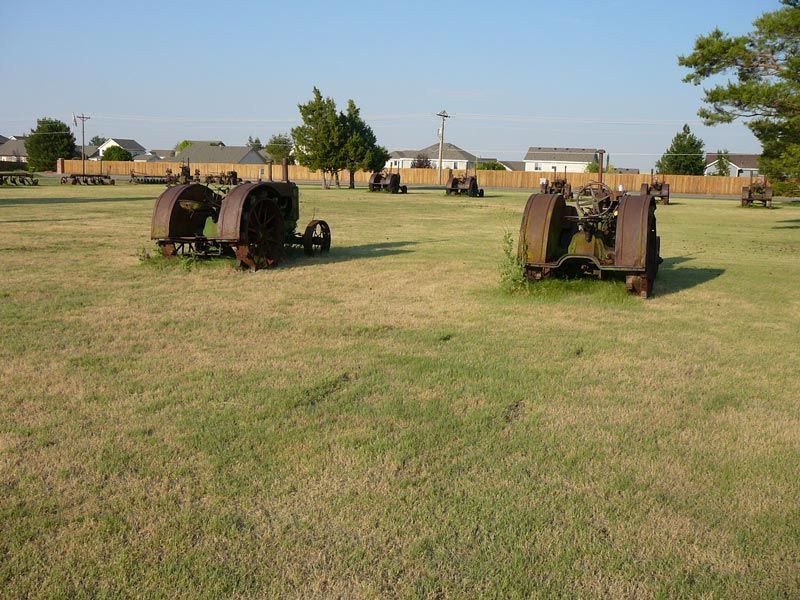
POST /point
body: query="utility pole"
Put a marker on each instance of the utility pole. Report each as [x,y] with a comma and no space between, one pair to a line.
[443,114]
[83,119]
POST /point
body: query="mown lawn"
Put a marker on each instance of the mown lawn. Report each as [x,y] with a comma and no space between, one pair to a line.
[385,421]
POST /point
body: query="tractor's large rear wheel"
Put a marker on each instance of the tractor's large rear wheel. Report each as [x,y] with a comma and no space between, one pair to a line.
[262,235]
[317,237]
[643,284]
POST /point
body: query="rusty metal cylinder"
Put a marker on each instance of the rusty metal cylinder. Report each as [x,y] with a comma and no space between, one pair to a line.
[285,169]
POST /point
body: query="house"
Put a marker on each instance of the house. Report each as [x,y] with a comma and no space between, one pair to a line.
[624,171]
[571,160]
[513,165]
[13,150]
[453,157]
[242,155]
[155,156]
[132,146]
[741,165]
[3,139]
[91,152]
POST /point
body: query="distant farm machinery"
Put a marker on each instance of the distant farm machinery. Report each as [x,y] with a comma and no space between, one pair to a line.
[17,178]
[604,233]
[388,182]
[656,188]
[559,185]
[463,185]
[87,179]
[757,191]
[253,222]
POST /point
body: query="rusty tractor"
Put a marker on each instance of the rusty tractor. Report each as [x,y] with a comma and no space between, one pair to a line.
[387,182]
[557,186]
[85,179]
[463,185]
[226,178]
[757,191]
[657,188]
[17,178]
[253,222]
[604,233]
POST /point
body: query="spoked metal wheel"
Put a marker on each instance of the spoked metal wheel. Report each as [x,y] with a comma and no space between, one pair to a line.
[594,198]
[317,237]
[262,235]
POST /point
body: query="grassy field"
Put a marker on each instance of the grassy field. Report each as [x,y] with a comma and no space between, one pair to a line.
[385,421]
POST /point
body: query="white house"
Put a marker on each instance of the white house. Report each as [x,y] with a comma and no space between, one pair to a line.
[132,146]
[544,159]
[13,150]
[453,157]
[741,165]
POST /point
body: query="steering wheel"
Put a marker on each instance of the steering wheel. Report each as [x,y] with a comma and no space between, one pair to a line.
[588,199]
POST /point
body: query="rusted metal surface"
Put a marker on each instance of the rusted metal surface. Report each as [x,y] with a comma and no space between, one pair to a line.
[464,185]
[84,179]
[253,222]
[556,186]
[389,182]
[657,188]
[603,233]
[758,191]
[17,178]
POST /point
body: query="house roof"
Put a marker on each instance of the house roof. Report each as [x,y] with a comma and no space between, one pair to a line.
[14,148]
[90,150]
[147,158]
[743,161]
[206,142]
[449,152]
[514,165]
[217,154]
[129,145]
[586,155]
[162,153]
[3,139]
[624,171]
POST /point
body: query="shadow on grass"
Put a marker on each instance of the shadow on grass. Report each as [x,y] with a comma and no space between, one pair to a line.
[795,225]
[11,202]
[671,280]
[364,251]
[41,220]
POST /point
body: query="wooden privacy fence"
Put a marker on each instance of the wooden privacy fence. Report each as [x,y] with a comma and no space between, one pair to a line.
[525,180]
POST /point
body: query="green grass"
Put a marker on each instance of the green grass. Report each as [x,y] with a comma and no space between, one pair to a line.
[386,421]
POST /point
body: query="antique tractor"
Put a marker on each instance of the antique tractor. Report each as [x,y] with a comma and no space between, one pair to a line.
[463,185]
[604,233]
[757,191]
[253,222]
[657,188]
[557,186]
[386,182]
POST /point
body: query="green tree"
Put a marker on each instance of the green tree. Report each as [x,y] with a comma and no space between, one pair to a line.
[255,144]
[51,140]
[421,161]
[491,165]
[766,89]
[117,153]
[723,163]
[360,149]
[685,156]
[593,167]
[180,146]
[279,146]
[318,142]
[97,140]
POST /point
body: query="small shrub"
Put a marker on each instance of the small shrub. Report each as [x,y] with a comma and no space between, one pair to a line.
[512,272]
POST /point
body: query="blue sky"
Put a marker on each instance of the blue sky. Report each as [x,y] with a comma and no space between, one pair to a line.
[513,75]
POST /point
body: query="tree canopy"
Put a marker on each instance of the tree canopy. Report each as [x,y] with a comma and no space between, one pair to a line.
[182,145]
[491,165]
[685,156]
[421,161]
[766,89]
[255,144]
[723,166]
[330,142]
[360,149]
[97,140]
[51,140]
[279,146]
[117,153]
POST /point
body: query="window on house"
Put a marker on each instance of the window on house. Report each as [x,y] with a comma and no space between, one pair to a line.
[537,166]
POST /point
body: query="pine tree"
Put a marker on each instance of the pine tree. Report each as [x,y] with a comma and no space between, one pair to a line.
[319,140]
[255,144]
[51,140]
[685,156]
[279,146]
[360,150]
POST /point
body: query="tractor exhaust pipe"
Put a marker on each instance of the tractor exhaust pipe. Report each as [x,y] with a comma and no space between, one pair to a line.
[285,169]
[269,171]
